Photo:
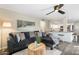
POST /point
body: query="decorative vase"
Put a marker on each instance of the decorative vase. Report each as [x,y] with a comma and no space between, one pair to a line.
[36,44]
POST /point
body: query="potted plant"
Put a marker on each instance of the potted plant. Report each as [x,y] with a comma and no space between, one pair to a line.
[38,39]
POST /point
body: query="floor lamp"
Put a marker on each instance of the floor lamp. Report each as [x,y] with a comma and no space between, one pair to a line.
[4,25]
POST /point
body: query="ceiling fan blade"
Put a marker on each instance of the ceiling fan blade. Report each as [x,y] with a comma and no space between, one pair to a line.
[60,5]
[49,12]
[60,11]
[55,7]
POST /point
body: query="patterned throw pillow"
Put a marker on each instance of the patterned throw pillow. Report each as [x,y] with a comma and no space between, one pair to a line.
[22,36]
[40,34]
[32,34]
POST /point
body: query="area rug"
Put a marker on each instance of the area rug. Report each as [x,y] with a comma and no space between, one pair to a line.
[48,52]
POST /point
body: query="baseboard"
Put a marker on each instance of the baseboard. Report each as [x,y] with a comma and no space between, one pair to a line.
[3,48]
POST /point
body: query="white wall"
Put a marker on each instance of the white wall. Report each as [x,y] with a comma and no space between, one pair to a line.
[77,27]
[0,37]
[6,15]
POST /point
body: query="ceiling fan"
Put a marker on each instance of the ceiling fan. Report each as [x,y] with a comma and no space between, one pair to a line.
[57,8]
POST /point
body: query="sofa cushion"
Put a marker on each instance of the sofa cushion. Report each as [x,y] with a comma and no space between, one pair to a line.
[27,35]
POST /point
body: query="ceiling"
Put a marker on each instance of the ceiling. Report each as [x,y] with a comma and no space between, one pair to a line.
[40,10]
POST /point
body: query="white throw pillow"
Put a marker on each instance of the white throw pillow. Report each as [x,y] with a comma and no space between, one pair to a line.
[18,37]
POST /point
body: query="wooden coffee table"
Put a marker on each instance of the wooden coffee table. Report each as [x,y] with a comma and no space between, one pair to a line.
[40,50]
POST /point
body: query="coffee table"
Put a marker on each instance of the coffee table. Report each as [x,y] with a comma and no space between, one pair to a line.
[40,50]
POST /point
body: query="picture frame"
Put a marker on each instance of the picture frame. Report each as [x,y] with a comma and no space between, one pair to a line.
[22,23]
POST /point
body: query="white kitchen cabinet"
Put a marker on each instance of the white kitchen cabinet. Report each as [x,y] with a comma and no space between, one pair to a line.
[64,36]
